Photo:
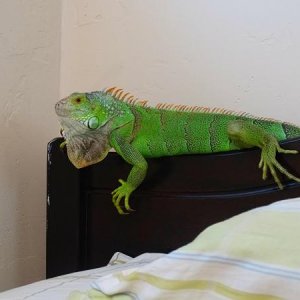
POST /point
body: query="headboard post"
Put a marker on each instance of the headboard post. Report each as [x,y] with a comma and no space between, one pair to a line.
[63,215]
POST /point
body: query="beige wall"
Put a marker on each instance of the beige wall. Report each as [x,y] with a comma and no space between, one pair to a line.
[243,55]
[29,85]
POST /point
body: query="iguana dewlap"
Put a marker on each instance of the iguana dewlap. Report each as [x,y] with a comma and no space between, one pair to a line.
[95,122]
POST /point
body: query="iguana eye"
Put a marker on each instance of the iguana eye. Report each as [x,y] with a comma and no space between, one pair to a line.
[92,123]
[77,100]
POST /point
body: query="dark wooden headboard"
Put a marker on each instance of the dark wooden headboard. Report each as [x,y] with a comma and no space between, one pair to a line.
[180,197]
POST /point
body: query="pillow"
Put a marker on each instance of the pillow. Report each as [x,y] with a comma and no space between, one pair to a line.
[254,255]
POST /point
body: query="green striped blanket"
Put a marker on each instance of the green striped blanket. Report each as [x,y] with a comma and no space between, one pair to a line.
[252,256]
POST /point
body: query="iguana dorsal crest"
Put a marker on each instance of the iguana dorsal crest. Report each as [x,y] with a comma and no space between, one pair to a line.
[121,95]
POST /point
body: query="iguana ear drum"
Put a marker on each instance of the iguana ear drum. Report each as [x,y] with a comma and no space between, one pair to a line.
[92,123]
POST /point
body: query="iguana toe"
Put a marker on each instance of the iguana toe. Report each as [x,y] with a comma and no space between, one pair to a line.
[269,163]
[121,192]
[62,145]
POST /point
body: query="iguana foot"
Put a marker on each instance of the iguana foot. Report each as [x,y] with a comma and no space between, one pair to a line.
[243,134]
[268,162]
[121,192]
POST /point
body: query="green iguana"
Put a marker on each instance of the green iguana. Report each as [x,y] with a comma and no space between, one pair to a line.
[93,123]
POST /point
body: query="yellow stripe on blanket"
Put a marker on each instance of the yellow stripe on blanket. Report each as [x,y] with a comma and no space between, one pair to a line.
[176,285]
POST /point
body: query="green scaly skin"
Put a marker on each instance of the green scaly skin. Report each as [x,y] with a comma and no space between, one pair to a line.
[93,123]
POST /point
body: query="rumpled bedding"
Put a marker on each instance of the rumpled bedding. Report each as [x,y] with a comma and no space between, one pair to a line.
[59,288]
[252,256]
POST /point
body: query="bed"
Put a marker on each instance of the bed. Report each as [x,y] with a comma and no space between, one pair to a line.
[180,198]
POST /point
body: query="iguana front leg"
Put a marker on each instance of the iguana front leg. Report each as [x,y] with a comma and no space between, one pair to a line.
[136,175]
[245,135]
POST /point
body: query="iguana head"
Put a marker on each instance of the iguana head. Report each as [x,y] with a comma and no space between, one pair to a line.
[85,108]
[86,123]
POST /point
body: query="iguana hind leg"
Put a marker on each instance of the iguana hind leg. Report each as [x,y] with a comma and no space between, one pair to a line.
[245,135]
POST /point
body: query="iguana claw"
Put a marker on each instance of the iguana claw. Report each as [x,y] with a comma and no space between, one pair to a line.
[121,192]
[268,162]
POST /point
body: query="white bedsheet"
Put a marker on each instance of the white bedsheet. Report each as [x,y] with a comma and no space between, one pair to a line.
[59,288]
